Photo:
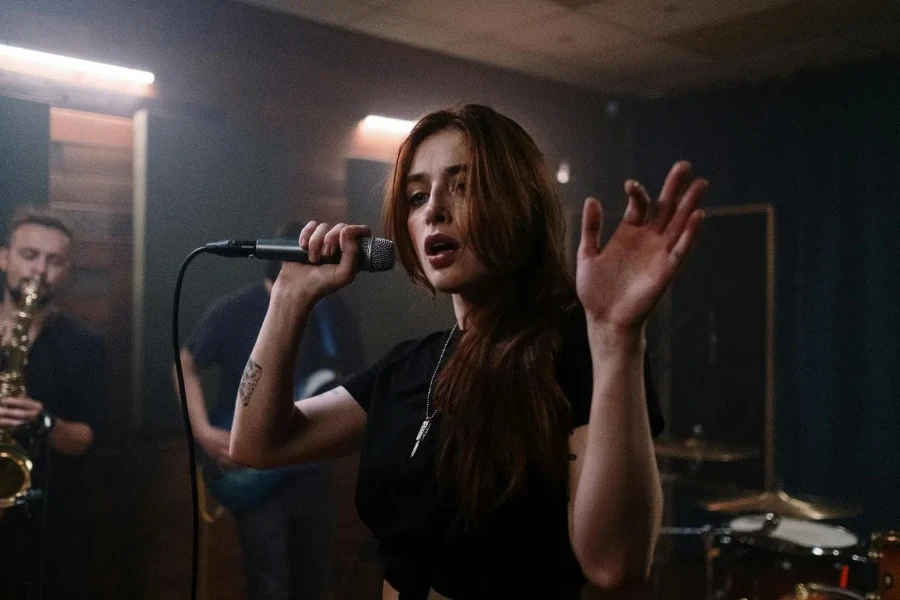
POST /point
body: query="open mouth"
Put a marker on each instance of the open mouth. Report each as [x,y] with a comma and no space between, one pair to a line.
[441,249]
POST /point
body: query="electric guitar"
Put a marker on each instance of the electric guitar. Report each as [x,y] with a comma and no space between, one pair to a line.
[239,487]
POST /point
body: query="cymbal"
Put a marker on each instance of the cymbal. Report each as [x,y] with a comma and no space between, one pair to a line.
[691,481]
[704,450]
[781,504]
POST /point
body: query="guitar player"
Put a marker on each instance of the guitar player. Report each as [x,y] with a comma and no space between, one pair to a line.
[283,516]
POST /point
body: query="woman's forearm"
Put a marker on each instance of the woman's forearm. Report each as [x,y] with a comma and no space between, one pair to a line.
[618,502]
[265,403]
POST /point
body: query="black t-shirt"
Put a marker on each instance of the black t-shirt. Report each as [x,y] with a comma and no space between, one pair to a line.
[525,547]
[227,332]
[66,372]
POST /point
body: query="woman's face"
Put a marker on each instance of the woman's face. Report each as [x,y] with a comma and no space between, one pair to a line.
[437,220]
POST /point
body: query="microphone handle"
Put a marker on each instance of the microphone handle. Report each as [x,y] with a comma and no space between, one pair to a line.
[375,254]
[288,251]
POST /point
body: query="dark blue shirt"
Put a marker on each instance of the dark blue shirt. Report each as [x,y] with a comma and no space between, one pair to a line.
[227,332]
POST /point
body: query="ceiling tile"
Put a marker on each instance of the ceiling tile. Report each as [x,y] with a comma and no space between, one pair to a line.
[335,12]
[653,68]
[488,50]
[658,18]
[775,27]
[478,16]
[642,47]
[649,56]
[566,36]
[400,27]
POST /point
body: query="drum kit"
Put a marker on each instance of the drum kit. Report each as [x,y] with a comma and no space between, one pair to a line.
[776,546]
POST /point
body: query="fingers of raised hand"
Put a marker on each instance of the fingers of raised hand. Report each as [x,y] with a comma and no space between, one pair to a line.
[687,238]
[678,178]
[591,227]
[638,209]
[687,205]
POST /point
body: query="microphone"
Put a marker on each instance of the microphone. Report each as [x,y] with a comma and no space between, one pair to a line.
[375,254]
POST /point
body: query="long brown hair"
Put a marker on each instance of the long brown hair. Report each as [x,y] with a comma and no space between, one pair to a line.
[503,413]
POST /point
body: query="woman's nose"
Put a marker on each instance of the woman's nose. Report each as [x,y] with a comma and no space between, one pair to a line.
[436,210]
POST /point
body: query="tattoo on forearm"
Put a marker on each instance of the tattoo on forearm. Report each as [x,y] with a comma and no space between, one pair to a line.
[249,380]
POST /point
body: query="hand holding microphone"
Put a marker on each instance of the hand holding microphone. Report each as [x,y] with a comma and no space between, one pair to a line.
[324,259]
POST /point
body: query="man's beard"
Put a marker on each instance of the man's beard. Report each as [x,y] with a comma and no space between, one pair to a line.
[17,295]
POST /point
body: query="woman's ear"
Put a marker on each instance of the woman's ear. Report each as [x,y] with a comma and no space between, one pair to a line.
[4,258]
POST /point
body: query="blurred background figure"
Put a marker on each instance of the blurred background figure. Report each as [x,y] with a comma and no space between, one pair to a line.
[283,516]
[58,418]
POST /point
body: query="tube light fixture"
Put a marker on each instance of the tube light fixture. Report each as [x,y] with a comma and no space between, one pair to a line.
[387,124]
[70,70]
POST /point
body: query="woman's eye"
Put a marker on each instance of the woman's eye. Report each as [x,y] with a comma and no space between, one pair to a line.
[417,199]
[461,187]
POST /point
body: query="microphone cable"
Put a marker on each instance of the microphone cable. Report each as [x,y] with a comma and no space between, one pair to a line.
[192,453]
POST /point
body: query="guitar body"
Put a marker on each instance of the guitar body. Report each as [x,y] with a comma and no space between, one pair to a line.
[239,487]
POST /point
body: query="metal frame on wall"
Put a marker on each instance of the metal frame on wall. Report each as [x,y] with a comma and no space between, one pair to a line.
[663,320]
[769,481]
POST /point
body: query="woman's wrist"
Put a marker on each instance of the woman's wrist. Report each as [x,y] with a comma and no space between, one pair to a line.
[292,298]
[610,338]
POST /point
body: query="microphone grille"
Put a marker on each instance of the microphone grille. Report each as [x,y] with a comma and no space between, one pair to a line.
[377,254]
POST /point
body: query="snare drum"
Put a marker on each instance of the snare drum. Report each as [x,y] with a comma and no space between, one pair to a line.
[815,591]
[748,564]
[885,553]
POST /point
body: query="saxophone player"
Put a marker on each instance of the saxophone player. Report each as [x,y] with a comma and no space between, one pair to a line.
[63,404]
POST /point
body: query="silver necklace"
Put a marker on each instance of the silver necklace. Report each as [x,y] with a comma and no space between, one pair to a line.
[426,424]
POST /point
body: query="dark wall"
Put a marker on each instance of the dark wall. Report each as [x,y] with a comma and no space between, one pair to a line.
[198,182]
[823,149]
[24,156]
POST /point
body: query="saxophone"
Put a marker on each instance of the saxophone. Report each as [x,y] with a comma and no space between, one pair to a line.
[15,465]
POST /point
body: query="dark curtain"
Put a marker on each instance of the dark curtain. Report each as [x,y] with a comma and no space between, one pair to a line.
[824,149]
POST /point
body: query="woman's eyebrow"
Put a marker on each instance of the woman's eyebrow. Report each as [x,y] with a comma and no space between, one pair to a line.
[449,171]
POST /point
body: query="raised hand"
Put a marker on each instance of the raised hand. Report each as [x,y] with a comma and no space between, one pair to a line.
[620,283]
[322,239]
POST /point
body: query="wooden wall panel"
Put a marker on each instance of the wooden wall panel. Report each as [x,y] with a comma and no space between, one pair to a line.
[90,182]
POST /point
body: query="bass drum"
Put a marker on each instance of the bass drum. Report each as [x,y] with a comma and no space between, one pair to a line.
[885,554]
[748,564]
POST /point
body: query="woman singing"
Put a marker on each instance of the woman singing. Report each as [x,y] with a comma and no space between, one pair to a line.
[510,455]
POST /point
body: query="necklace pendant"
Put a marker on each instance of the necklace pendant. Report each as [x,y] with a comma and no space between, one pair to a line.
[423,431]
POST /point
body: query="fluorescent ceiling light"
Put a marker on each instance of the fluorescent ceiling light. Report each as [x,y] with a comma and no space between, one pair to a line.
[15,59]
[387,124]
